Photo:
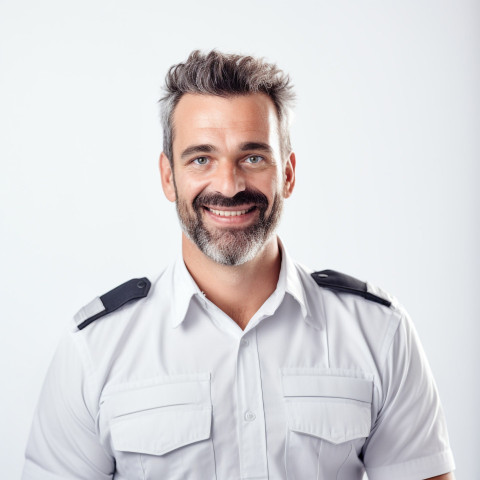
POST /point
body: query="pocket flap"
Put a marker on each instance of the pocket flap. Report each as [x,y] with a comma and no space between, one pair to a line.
[158,415]
[334,408]
[335,422]
[160,431]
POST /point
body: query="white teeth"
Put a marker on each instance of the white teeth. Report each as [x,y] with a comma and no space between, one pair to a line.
[227,213]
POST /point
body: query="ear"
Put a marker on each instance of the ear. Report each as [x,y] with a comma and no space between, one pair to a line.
[166,174]
[289,175]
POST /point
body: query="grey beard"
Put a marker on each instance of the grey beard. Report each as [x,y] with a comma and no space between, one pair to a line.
[230,247]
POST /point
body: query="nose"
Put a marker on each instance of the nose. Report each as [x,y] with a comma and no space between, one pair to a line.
[228,179]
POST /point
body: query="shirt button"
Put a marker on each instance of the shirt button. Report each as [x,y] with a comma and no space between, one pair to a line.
[250,416]
[244,342]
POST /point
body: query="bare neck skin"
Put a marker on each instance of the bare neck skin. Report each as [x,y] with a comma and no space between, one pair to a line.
[238,291]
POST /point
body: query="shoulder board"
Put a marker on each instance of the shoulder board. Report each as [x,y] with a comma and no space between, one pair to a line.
[345,283]
[114,299]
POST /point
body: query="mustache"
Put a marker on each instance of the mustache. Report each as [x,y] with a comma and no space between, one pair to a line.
[241,198]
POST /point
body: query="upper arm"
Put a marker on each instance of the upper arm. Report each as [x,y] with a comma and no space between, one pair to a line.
[63,442]
[409,437]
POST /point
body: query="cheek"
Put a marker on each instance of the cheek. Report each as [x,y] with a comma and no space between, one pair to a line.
[273,186]
[188,188]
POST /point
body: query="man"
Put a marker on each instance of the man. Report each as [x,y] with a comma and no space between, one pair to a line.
[237,363]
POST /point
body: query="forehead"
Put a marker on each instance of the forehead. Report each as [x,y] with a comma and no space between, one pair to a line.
[251,117]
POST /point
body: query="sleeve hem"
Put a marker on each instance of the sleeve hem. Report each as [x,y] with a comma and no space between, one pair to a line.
[418,469]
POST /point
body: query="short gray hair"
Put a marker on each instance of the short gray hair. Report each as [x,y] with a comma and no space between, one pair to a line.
[224,74]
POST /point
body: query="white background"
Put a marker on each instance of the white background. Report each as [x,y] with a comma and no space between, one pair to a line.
[387,141]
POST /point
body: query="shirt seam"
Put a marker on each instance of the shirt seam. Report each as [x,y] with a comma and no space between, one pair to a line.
[385,351]
[447,452]
[326,329]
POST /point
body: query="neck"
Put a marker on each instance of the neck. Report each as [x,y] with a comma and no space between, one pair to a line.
[239,290]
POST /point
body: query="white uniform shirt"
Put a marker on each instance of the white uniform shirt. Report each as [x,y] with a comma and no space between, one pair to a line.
[319,385]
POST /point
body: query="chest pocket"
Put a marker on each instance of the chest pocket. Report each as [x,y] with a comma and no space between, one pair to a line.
[328,419]
[162,429]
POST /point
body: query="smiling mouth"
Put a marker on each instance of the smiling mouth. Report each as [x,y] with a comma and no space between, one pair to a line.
[230,213]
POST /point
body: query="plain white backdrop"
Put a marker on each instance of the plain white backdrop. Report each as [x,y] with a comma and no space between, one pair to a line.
[386,135]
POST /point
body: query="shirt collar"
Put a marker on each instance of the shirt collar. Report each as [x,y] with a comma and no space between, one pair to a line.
[185,288]
[289,279]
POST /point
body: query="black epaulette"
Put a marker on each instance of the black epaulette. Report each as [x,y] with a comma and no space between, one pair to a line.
[345,283]
[109,302]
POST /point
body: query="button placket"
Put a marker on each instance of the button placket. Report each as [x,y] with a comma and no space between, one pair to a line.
[253,451]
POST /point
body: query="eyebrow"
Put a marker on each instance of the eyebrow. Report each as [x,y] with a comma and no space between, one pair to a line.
[256,146]
[207,148]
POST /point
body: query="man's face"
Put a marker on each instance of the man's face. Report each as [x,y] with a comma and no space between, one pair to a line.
[228,178]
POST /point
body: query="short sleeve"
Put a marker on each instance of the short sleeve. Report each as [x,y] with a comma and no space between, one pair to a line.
[63,443]
[409,439]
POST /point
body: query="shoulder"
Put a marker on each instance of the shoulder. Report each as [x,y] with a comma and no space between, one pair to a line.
[360,319]
[119,302]
[108,329]
[127,292]
[341,282]
[351,306]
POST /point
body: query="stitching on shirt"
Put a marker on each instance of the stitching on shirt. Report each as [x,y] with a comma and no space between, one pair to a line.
[214,456]
[353,435]
[318,462]
[263,396]
[211,438]
[326,330]
[392,331]
[344,462]
[159,410]
[142,466]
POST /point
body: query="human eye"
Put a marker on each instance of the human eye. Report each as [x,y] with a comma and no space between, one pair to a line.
[201,161]
[254,159]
